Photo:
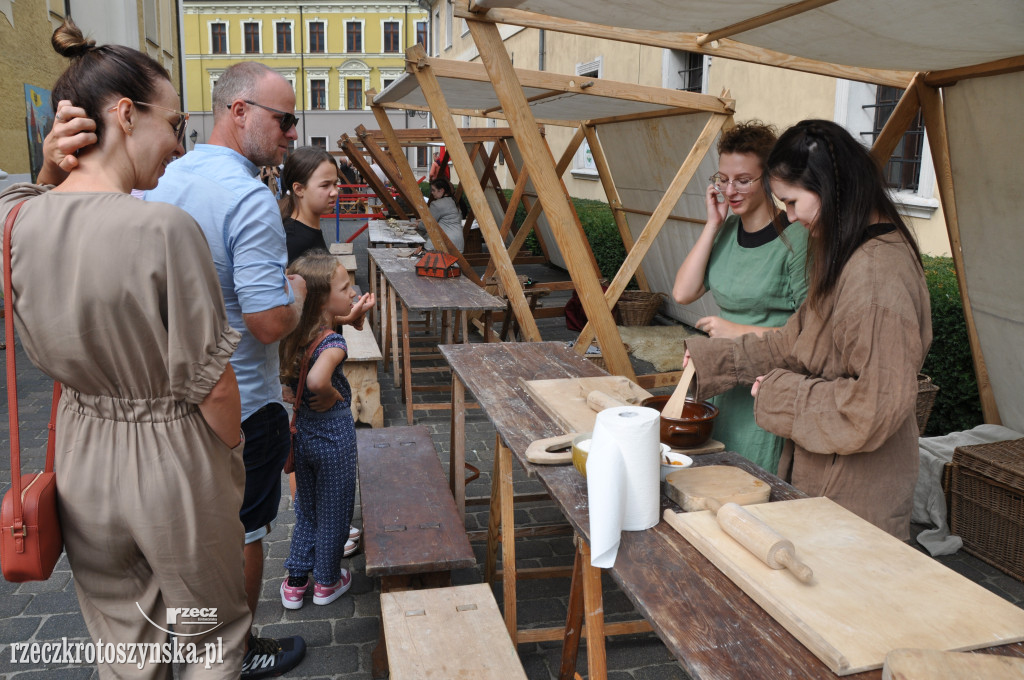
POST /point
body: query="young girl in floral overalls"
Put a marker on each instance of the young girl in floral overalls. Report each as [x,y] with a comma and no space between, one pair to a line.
[325,442]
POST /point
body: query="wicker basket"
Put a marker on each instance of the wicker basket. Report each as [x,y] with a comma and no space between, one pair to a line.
[926,391]
[637,307]
[988,503]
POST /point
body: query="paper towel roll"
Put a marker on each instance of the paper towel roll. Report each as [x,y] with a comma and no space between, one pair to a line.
[623,478]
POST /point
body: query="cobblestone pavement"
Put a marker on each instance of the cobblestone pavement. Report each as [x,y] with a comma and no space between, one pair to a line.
[342,635]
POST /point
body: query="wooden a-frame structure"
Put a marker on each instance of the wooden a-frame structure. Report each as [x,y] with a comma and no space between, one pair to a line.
[525,99]
[913,45]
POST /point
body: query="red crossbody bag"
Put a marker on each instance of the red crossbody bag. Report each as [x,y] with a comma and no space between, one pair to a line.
[31,540]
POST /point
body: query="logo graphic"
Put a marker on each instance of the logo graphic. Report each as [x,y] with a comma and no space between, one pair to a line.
[183,618]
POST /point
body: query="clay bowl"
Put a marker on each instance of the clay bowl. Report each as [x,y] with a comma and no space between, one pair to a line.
[692,428]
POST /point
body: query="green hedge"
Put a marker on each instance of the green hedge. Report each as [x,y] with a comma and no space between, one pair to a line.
[949,362]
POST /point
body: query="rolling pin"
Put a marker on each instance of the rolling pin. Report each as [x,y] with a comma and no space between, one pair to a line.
[599,401]
[761,540]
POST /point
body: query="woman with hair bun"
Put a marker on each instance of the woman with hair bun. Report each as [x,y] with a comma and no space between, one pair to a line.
[753,262]
[840,378]
[118,300]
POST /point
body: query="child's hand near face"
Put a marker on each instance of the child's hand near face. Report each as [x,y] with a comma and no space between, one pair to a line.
[360,306]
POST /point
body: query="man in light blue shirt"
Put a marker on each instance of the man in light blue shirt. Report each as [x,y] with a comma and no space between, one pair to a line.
[218,184]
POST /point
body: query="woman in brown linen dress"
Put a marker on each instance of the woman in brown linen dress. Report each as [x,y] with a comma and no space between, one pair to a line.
[840,378]
[118,300]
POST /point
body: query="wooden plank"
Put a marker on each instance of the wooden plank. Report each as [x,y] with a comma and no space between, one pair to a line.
[932,664]
[568,233]
[864,580]
[360,369]
[446,633]
[369,176]
[419,136]
[565,399]
[341,249]
[938,141]
[992,68]
[762,20]
[410,524]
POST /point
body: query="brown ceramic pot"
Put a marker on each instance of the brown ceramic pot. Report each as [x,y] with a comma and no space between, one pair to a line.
[692,428]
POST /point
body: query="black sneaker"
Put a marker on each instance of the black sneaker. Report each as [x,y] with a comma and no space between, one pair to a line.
[269,658]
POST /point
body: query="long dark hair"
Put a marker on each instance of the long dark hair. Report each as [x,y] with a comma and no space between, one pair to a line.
[823,158]
[444,185]
[97,74]
[317,267]
[299,167]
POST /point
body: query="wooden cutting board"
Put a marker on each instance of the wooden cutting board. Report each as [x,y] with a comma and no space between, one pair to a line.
[930,664]
[565,399]
[691,486]
[871,593]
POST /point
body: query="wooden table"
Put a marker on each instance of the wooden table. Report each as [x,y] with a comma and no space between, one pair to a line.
[712,627]
[453,298]
[379,234]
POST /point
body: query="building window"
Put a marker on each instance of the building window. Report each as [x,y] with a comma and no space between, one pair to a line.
[318,94]
[387,83]
[219,38]
[447,24]
[251,31]
[903,170]
[692,72]
[583,166]
[353,94]
[421,33]
[353,36]
[319,142]
[316,37]
[284,37]
[391,41]
[422,157]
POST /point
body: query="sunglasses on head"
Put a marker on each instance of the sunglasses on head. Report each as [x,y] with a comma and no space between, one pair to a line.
[179,127]
[287,120]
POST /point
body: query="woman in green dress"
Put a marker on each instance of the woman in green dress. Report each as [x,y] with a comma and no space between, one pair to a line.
[753,262]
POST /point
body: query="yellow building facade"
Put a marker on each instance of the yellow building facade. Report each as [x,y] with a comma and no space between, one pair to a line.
[331,52]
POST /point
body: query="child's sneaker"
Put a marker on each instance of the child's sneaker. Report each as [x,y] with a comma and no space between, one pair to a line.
[351,546]
[354,533]
[328,594]
[292,591]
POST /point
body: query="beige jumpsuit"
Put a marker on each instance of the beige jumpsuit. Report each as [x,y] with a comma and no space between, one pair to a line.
[118,300]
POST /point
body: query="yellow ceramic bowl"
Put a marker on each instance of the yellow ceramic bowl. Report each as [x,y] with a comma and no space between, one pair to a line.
[580,450]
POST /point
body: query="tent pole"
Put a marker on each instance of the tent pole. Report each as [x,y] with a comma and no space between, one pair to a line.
[604,172]
[474,191]
[938,140]
[369,176]
[899,122]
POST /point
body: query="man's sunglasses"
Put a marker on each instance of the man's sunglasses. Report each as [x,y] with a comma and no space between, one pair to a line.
[179,127]
[287,120]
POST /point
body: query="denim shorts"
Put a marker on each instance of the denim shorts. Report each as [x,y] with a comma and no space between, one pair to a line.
[267,441]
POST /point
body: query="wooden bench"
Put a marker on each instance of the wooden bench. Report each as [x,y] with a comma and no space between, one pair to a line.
[413,536]
[446,633]
[360,369]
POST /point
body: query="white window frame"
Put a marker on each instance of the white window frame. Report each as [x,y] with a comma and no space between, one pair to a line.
[465,28]
[851,97]
[214,75]
[227,36]
[391,20]
[362,35]
[318,74]
[259,23]
[309,34]
[448,24]
[582,163]
[435,38]
[426,30]
[352,69]
[391,74]
[291,29]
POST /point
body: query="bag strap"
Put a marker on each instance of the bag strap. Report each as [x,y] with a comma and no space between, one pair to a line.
[302,374]
[18,526]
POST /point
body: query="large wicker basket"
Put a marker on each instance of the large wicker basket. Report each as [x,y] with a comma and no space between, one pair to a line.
[637,307]
[988,503]
[926,391]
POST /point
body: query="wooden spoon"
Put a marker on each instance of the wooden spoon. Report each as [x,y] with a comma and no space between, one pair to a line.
[674,406]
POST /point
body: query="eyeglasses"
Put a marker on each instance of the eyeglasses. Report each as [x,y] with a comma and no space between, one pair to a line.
[179,127]
[287,120]
[742,186]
